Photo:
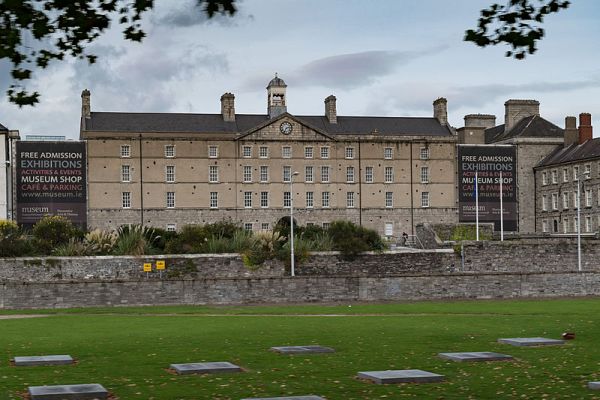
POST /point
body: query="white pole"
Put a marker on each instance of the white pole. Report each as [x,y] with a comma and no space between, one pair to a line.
[579,224]
[293,272]
[501,212]
[476,208]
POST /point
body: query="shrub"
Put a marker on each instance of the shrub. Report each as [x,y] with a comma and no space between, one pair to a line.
[224,229]
[51,231]
[74,247]
[164,236]
[100,242]
[191,240]
[351,240]
[135,240]
[302,249]
[12,241]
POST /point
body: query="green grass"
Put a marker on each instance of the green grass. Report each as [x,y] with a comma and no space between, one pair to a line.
[128,349]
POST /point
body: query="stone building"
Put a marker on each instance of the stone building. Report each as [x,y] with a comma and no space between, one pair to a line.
[169,170]
[534,138]
[576,165]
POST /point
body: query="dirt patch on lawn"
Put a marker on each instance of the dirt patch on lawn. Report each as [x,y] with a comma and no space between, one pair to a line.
[19,316]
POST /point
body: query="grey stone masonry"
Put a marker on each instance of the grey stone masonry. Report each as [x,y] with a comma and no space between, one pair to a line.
[594,385]
[205,368]
[475,356]
[302,349]
[531,341]
[401,376]
[28,361]
[68,392]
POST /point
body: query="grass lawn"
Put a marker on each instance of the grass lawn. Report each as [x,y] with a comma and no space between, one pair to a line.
[128,350]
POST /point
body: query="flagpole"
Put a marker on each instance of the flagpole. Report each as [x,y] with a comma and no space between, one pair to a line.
[501,212]
[476,207]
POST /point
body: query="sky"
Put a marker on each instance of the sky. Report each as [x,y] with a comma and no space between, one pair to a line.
[380,58]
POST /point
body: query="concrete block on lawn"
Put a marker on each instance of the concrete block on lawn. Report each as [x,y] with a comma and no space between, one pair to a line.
[475,356]
[205,368]
[287,398]
[68,392]
[302,349]
[30,361]
[594,385]
[401,376]
[531,341]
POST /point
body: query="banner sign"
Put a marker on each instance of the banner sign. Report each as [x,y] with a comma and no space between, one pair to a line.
[51,180]
[488,161]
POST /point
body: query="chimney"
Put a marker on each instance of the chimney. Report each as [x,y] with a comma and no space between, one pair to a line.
[228,107]
[440,110]
[571,131]
[330,109]
[516,110]
[480,121]
[585,127]
[86,111]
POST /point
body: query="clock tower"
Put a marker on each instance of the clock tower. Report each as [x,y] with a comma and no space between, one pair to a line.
[276,97]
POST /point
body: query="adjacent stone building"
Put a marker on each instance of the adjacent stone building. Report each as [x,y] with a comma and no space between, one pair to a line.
[169,170]
[568,177]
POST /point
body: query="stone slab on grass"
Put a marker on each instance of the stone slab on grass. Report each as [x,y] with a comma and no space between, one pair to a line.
[29,361]
[205,368]
[68,392]
[475,356]
[302,349]
[287,398]
[401,376]
[594,385]
[531,341]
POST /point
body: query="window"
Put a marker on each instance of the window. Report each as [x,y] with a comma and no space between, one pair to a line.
[588,198]
[554,176]
[325,199]
[125,150]
[349,152]
[350,174]
[369,174]
[246,151]
[287,199]
[389,175]
[544,178]
[575,173]
[264,226]
[169,151]
[389,229]
[544,226]
[264,199]
[565,200]
[213,151]
[326,225]
[264,173]
[599,196]
[350,199]
[247,173]
[286,152]
[248,226]
[565,175]
[171,227]
[555,201]
[125,173]
[424,199]
[126,199]
[588,224]
[389,199]
[170,199]
[309,174]
[213,174]
[263,152]
[544,202]
[324,174]
[566,225]
[170,173]
[287,173]
[575,200]
[424,174]
[247,199]
[575,224]
[387,153]
[424,153]
[588,171]
[308,152]
[325,152]
[214,200]
[310,200]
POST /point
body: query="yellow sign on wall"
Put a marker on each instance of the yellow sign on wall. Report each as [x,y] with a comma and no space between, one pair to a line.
[160,264]
[147,267]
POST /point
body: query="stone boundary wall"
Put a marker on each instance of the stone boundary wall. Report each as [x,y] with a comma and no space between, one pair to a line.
[298,289]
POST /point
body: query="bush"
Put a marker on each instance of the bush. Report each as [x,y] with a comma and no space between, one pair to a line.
[12,241]
[52,231]
[191,240]
[74,247]
[135,240]
[351,240]
[99,242]
[222,229]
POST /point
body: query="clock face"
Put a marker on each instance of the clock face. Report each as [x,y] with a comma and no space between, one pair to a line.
[286,128]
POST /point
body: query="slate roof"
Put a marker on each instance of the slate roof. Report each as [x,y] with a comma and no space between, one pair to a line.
[213,123]
[574,152]
[3,128]
[531,127]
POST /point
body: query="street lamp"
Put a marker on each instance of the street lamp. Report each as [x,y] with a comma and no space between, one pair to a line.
[295,173]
